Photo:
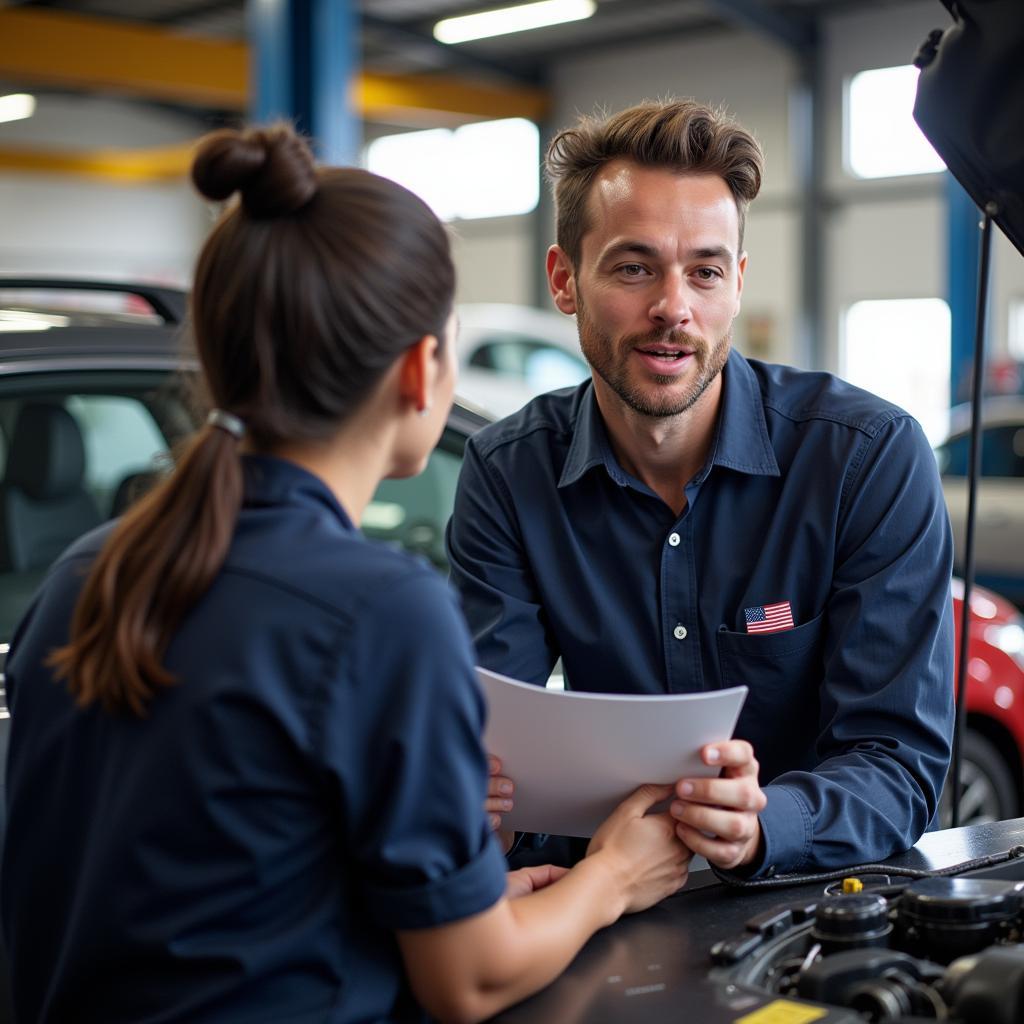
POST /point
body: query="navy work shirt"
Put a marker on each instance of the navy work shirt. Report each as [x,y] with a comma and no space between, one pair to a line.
[313,782]
[814,493]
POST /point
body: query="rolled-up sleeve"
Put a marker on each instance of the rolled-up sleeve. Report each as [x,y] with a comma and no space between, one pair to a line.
[404,746]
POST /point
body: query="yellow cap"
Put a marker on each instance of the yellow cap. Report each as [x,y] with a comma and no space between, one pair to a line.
[852,885]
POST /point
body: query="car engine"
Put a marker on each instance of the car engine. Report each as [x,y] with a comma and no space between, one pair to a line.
[944,948]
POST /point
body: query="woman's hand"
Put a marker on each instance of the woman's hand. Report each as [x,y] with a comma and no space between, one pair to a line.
[643,851]
[499,800]
[523,881]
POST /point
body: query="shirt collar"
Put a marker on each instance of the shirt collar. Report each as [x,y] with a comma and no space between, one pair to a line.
[269,480]
[741,441]
[590,445]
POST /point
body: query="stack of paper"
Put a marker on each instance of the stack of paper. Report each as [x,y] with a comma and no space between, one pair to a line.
[574,756]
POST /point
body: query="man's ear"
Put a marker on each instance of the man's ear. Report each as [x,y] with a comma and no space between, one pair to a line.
[741,269]
[418,373]
[561,280]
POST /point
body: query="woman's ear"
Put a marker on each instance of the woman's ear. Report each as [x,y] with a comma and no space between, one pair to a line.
[418,373]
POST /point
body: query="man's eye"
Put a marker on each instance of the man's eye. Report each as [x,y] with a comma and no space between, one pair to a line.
[632,269]
[708,273]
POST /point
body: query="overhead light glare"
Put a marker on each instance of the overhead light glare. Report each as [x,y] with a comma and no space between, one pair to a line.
[21,320]
[504,20]
[17,106]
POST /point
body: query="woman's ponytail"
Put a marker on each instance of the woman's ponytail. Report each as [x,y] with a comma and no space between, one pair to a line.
[159,560]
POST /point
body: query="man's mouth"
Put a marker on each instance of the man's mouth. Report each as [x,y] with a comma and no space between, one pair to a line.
[668,355]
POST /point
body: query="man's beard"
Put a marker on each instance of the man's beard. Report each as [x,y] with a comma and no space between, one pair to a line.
[610,361]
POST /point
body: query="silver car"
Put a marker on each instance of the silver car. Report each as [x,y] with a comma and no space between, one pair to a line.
[999,526]
[509,354]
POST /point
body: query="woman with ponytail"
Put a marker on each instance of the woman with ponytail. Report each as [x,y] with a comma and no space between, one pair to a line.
[245,778]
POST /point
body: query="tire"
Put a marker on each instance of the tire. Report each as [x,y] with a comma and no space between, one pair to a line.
[989,792]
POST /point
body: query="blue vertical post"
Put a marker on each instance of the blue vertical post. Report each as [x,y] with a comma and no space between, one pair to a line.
[303,69]
[962,267]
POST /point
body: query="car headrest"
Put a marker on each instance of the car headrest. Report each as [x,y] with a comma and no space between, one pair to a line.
[46,458]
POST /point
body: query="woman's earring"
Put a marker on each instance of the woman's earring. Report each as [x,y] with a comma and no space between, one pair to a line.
[424,410]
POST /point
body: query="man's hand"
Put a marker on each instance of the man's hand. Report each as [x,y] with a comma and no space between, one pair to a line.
[717,818]
[499,800]
[526,880]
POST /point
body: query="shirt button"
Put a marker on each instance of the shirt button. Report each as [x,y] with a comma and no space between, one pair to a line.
[679,632]
[673,539]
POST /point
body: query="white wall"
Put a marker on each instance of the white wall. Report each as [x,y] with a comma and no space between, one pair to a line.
[54,225]
[63,224]
[494,259]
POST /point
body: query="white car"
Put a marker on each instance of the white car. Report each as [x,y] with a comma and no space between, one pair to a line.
[999,524]
[509,354]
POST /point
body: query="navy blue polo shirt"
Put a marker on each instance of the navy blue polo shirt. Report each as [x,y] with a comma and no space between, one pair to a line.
[814,493]
[313,782]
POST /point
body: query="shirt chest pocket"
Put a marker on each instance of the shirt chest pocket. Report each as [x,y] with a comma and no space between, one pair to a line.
[783,673]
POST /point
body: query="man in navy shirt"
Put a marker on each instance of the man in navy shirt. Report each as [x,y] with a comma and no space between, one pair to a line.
[690,519]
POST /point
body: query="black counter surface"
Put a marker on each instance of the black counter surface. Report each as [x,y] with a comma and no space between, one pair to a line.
[654,966]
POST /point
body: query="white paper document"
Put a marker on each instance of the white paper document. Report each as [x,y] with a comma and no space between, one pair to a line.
[575,756]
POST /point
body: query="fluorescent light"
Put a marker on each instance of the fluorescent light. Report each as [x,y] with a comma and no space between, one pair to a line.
[16,106]
[503,20]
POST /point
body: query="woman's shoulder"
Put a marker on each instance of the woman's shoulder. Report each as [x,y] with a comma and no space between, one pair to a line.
[348,574]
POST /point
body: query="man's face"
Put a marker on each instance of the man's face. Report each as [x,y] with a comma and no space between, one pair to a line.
[657,285]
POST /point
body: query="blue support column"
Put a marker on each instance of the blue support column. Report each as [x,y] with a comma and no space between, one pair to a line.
[963,262]
[304,66]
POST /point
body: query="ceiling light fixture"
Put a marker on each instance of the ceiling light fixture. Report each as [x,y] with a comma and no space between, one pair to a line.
[16,106]
[504,20]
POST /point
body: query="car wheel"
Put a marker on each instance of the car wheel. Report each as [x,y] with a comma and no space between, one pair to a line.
[988,792]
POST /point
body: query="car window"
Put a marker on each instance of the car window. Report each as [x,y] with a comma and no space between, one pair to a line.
[542,365]
[121,439]
[1002,453]
[413,513]
[78,448]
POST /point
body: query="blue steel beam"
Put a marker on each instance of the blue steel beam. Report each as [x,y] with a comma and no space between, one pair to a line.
[303,70]
[963,248]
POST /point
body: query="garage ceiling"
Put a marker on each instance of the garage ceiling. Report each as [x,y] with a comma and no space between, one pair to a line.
[395,35]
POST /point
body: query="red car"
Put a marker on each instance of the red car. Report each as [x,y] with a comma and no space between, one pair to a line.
[993,744]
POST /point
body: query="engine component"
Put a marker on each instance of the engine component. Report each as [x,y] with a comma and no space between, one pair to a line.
[946,918]
[987,988]
[881,984]
[851,922]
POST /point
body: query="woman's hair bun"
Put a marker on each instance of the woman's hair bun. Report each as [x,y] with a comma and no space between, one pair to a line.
[273,168]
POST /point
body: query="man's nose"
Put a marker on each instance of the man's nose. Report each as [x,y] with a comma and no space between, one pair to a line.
[671,307]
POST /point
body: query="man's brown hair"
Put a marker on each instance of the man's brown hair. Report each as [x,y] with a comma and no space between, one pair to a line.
[680,135]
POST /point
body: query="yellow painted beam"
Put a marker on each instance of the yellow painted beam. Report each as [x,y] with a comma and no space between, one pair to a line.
[382,96]
[123,166]
[73,51]
[54,48]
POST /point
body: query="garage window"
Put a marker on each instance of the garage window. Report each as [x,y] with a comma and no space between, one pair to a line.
[881,137]
[1015,337]
[899,349]
[487,169]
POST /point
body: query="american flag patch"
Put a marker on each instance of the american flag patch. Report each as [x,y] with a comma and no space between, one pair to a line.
[769,618]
